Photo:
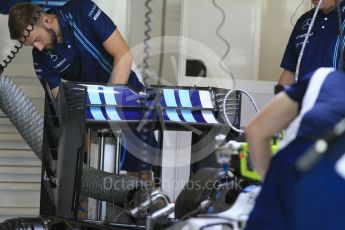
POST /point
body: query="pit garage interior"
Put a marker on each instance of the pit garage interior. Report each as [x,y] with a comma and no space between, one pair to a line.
[208,47]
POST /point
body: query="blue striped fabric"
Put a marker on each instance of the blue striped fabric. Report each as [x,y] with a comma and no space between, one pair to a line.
[112,114]
[107,95]
[109,113]
[187,115]
[93,93]
[172,115]
[186,98]
[169,97]
[107,103]
[49,4]
[96,114]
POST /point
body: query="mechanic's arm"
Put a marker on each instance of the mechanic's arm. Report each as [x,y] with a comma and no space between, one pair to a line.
[117,47]
[286,78]
[274,117]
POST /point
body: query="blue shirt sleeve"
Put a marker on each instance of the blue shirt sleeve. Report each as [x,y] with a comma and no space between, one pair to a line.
[289,61]
[100,24]
[297,90]
[44,73]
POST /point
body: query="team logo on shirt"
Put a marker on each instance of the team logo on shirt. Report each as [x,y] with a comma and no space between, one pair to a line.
[305,24]
[92,11]
[52,57]
[97,14]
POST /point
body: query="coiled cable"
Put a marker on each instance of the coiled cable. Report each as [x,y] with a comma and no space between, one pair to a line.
[306,40]
[294,13]
[223,67]
[147,42]
[221,63]
[161,57]
[16,48]
[224,107]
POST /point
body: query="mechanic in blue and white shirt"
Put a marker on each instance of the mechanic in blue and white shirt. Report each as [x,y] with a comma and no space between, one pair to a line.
[322,49]
[291,198]
[78,42]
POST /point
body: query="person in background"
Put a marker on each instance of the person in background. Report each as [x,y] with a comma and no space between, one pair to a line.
[310,109]
[322,49]
[78,42]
